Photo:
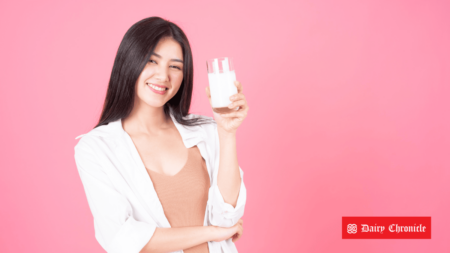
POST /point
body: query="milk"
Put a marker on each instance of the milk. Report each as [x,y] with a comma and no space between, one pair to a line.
[221,86]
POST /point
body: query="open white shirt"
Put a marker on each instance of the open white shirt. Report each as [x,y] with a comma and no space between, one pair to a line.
[121,196]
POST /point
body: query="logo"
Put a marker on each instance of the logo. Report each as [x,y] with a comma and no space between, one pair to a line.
[352,228]
[386,227]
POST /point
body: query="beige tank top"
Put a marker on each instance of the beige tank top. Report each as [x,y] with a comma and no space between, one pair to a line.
[184,195]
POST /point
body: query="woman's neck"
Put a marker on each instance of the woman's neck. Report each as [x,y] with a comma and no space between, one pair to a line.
[147,120]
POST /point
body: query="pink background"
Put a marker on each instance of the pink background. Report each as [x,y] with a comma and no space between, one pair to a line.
[349,114]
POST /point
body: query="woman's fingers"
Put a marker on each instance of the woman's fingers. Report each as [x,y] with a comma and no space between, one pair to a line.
[235,232]
[236,237]
[238,86]
[237,96]
[238,114]
[235,104]
[238,100]
[240,231]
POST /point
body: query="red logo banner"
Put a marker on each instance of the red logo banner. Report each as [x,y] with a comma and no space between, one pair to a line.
[386,227]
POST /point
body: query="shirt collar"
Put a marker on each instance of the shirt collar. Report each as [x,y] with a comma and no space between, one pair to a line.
[191,135]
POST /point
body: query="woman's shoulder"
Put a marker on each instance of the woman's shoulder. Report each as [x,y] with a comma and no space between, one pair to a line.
[209,124]
[195,115]
[207,127]
[101,134]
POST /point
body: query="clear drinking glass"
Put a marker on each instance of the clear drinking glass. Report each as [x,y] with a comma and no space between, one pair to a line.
[221,77]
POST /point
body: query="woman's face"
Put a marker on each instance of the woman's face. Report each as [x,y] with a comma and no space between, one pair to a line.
[162,75]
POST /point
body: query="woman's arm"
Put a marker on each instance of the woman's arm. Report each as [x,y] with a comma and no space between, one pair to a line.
[227,195]
[173,239]
[229,178]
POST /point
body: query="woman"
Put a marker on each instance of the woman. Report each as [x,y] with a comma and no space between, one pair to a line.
[158,179]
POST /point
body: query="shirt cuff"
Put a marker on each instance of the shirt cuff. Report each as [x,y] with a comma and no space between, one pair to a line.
[222,214]
[132,236]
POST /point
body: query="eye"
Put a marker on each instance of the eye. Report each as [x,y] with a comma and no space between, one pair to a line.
[176,67]
[151,61]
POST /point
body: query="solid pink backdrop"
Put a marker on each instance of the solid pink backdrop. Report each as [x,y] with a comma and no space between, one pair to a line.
[349,114]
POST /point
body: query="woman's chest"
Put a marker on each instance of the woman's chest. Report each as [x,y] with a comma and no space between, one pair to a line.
[165,155]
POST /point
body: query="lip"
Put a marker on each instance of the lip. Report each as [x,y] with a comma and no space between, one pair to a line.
[157,91]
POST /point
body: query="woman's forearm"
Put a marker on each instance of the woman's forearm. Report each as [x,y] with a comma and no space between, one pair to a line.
[229,177]
[173,239]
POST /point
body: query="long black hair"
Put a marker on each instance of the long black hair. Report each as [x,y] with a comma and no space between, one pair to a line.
[133,54]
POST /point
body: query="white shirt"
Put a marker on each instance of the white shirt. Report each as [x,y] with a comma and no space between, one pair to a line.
[121,196]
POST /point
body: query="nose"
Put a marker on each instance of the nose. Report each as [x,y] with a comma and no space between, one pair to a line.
[162,74]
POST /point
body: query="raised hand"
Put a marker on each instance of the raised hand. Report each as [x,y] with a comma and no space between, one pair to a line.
[231,121]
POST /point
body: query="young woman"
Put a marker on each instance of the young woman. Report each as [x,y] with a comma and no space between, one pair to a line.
[158,179]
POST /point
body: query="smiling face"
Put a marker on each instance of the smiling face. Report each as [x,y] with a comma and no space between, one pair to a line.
[162,76]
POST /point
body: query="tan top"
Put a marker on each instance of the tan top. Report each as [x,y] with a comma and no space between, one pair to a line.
[184,195]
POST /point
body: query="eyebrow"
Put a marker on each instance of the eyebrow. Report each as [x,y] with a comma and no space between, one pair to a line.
[159,56]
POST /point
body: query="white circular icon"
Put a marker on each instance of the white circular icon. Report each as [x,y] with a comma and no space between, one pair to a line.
[352,228]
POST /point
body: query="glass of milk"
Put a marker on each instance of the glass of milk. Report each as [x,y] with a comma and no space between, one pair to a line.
[221,77]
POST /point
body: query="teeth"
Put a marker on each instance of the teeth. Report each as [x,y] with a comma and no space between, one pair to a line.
[156,88]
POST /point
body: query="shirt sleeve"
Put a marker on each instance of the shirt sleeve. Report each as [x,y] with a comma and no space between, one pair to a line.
[116,229]
[222,214]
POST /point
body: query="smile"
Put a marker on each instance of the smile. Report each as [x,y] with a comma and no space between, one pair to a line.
[157,89]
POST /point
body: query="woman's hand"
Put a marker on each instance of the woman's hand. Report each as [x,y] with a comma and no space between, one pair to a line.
[234,232]
[231,121]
